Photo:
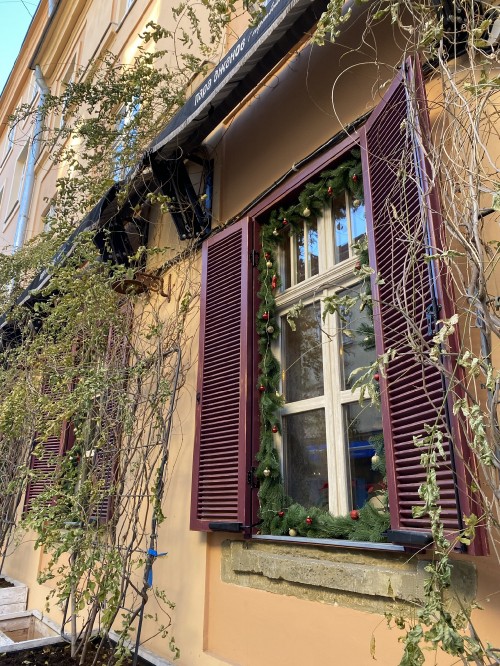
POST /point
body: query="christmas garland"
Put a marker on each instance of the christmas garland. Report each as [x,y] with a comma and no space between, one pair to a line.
[278,513]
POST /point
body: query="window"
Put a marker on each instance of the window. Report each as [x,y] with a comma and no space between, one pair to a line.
[99,438]
[18,179]
[127,139]
[325,444]
[321,417]
[66,81]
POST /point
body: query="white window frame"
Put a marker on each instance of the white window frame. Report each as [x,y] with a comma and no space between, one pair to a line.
[331,278]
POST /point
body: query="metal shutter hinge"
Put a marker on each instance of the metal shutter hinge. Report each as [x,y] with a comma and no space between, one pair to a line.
[251,478]
[254,258]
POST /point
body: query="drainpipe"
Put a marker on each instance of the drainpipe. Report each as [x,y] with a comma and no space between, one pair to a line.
[52,6]
[33,153]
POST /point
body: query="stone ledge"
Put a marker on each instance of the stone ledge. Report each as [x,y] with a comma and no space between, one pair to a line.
[372,582]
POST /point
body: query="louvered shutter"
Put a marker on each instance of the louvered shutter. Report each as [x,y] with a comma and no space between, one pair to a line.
[105,463]
[222,455]
[53,448]
[403,224]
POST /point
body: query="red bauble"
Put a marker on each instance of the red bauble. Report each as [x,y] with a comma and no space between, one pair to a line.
[309,520]
[265,316]
[354,178]
[274,428]
[274,282]
[281,514]
[357,265]
[354,514]
[330,191]
[267,255]
[376,377]
[285,221]
[262,388]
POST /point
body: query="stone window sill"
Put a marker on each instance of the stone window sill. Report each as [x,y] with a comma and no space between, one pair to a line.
[372,581]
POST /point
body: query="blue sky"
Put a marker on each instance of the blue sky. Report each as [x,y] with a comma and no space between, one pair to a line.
[15,17]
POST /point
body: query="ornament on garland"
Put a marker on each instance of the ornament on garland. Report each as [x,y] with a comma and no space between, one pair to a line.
[281,514]
[375,459]
[292,532]
[376,377]
[354,514]
[274,428]
[309,520]
[267,472]
[357,266]
[262,388]
[265,316]
[269,264]
[285,221]
[354,178]
[276,232]
[306,212]
[267,255]
[274,282]
[330,191]
[356,203]
[270,329]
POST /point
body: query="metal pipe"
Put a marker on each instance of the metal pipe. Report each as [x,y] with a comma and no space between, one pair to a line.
[33,153]
[52,6]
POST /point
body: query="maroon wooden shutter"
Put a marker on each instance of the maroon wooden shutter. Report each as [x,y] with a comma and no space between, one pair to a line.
[105,463]
[222,452]
[403,225]
[53,448]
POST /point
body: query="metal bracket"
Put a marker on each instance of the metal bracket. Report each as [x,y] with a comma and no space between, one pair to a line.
[251,478]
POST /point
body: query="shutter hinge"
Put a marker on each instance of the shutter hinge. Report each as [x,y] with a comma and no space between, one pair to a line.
[251,478]
[431,314]
[254,258]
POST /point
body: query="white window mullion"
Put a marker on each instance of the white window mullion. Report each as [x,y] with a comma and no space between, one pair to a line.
[338,464]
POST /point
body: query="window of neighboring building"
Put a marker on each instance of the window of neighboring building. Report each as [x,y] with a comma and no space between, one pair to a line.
[127,139]
[67,79]
[325,443]
[18,179]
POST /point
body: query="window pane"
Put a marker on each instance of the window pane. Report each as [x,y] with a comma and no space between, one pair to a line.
[361,423]
[300,257]
[305,450]
[312,240]
[358,222]
[340,227]
[287,277]
[358,348]
[302,355]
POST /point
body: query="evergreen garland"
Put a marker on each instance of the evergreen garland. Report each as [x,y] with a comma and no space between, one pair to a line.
[278,513]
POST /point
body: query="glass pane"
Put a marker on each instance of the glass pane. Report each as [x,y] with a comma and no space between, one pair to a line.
[358,222]
[300,257]
[287,277]
[305,450]
[358,347]
[302,355]
[312,244]
[361,424]
[340,227]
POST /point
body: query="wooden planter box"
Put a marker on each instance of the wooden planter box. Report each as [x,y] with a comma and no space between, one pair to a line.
[13,599]
[27,629]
